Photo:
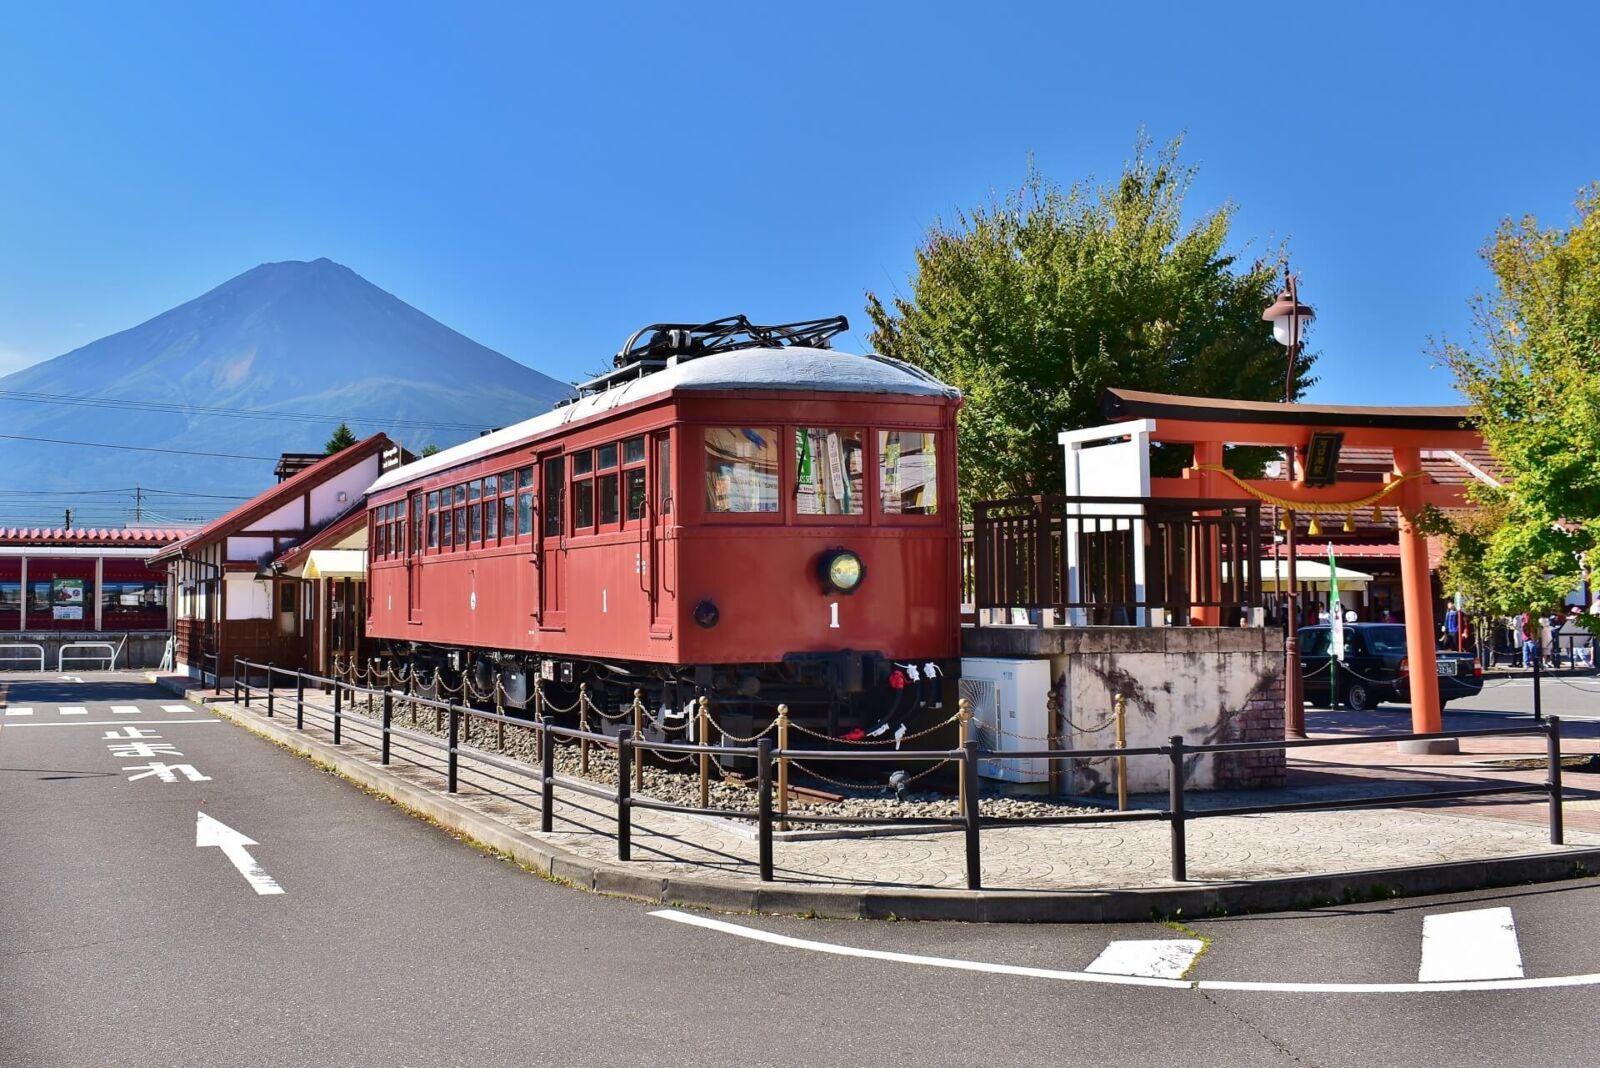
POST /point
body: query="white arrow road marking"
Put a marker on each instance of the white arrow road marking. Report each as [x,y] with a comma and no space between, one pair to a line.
[1257,986]
[124,710]
[1158,958]
[74,710]
[19,711]
[1462,946]
[210,832]
[70,678]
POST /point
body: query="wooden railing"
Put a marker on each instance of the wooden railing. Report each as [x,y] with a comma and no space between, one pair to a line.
[1115,560]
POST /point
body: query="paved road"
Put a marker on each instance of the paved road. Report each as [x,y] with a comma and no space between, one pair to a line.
[123,943]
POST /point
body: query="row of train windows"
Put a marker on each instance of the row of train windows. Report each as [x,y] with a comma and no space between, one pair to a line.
[609,485]
[830,465]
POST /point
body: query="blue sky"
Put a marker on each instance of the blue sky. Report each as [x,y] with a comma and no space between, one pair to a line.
[547,179]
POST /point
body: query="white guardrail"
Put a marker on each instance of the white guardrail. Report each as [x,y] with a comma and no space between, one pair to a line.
[110,654]
[38,651]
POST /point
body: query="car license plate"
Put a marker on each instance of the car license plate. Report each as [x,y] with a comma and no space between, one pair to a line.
[1446,667]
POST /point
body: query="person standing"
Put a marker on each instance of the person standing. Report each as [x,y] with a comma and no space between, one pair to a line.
[1452,628]
[1526,630]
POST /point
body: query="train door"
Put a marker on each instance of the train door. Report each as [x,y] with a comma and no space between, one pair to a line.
[660,522]
[414,559]
[549,542]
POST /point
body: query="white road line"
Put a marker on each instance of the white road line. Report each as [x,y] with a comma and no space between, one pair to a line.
[74,710]
[19,711]
[111,722]
[1462,946]
[180,709]
[124,710]
[1121,980]
[1167,958]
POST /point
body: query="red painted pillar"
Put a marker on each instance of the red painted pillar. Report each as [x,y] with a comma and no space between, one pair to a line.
[1417,590]
[1205,561]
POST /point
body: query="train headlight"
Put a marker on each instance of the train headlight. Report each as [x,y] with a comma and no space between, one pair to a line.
[841,570]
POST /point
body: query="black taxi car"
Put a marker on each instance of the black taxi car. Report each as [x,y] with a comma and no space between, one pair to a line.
[1374,668]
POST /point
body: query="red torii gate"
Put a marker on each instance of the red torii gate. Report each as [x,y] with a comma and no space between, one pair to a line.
[1208,424]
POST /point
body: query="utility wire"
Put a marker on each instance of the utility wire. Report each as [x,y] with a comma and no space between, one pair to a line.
[136,448]
[179,408]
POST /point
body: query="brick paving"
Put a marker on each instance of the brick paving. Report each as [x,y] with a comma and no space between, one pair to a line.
[1104,855]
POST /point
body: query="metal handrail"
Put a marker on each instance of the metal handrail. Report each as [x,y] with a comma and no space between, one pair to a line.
[969,819]
[111,655]
[38,650]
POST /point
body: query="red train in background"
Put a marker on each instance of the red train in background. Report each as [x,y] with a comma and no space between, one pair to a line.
[735,510]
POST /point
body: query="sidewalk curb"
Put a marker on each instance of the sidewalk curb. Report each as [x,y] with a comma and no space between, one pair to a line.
[1134,904]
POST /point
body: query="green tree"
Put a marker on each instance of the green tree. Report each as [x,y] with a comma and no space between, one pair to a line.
[1531,372]
[1033,303]
[343,438]
[428,449]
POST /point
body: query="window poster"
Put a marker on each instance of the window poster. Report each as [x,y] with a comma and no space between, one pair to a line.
[66,598]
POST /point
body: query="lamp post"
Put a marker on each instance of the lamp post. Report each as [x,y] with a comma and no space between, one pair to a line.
[1289,319]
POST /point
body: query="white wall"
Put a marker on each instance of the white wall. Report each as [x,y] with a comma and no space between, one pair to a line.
[248,550]
[292,516]
[325,502]
[248,598]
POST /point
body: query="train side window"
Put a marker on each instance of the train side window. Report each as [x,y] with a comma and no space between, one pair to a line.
[433,529]
[475,530]
[582,463]
[448,532]
[830,471]
[461,494]
[461,526]
[491,516]
[908,472]
[634,491]
[508,514]
[555,481]
[741,469]
[633,450]
[472,490]
[663,475]
[582,503]
[607,486]
[608,456]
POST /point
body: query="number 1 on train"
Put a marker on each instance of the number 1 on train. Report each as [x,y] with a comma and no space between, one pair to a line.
[833,615]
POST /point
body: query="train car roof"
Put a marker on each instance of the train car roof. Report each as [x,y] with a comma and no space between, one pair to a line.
[776,369]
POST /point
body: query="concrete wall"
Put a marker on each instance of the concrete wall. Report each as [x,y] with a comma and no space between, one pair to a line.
[142,649]
[1208,684]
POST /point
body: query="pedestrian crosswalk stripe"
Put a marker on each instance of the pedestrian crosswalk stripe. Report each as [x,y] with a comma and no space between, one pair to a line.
[124,710]
[19,711]
[74,710]
[1477,944]
[176,708]
[1167,958]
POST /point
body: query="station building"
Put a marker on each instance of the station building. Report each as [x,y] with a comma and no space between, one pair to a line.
[244,587]
[60,586]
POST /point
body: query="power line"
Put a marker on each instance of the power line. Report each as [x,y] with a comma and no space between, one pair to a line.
[136,448]
[177,408]
[125,491]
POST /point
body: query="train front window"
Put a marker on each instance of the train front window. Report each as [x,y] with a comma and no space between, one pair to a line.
[908,472]
[607,485]
[830,471]
[741,469]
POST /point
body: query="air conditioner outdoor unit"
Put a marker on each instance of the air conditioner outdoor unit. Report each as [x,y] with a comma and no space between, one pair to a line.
[1010,706]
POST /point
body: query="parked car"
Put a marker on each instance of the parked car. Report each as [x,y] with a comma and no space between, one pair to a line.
[1375,669]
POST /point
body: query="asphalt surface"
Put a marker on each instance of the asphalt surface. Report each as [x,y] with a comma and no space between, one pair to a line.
[123,943]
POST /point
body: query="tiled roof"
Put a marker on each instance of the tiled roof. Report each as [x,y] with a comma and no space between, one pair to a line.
[91,537]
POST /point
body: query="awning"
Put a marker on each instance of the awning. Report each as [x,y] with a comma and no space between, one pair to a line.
[337,564]
[1313,573]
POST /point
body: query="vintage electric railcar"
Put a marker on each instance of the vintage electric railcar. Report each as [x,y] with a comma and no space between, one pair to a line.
[735,510]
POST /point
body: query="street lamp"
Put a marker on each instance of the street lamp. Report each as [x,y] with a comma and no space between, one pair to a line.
[1290,319]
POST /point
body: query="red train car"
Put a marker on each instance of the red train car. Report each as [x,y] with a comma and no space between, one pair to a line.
[735,510]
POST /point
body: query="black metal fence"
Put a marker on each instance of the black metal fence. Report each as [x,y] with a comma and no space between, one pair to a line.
[1054,552]
[970,820]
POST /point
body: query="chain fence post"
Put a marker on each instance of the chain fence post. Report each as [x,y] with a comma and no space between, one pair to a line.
[236,680]
[963,732]
[547,781]
[970,812]
[783,767]
[624,803]
[270,681]
[454,740]
[583,725]
[218,677]
[237,661]
[638,732]
[299,701]
[701,731]
[1553,749]
[388,720]
[1180,853]
[1119,706]
[764,807]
